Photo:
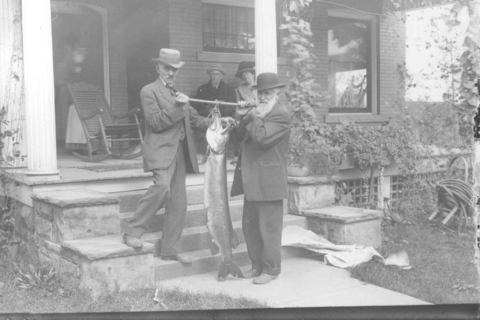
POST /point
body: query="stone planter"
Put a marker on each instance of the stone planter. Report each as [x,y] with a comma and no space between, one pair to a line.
[310,193]
[293,171]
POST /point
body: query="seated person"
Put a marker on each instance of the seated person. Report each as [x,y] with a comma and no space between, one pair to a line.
[215,89]
[246,72]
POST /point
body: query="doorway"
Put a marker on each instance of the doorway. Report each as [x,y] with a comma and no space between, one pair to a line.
[80,53]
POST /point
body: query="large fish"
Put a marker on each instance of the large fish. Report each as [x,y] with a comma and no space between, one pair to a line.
[219,222]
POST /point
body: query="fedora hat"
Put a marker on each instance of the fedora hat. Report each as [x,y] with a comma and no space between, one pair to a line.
[267,80]
[216,67]
[169,57]
[245,66]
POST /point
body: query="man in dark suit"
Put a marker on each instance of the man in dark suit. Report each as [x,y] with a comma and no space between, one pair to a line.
[261,174]
[168,150]
[215,89]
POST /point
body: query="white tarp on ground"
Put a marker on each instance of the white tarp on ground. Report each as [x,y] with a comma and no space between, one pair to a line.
[341,256]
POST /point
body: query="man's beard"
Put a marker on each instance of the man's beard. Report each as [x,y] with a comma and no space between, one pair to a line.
[267,105]
[215,83]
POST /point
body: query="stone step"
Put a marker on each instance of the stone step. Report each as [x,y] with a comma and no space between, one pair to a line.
[203,261]
[74,214]
[195,216]
[195,195]
[198,238]
[105,264]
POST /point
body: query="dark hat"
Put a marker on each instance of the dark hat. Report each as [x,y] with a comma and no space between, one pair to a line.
[267,80]
[216,67]
[245,66]
[169,57]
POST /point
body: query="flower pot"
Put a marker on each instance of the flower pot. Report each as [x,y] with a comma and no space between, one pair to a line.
[298,171]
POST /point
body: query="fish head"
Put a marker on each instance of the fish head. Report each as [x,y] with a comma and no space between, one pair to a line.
[218,132]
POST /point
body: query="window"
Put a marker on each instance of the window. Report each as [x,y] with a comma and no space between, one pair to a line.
[352,64]
[228,28]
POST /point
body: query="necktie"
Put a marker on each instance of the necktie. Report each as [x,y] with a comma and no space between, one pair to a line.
[182,125]
[172,89]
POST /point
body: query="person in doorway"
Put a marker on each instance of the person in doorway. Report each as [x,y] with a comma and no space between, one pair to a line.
[261,174]
[168,151]
[67,70]
[215,89]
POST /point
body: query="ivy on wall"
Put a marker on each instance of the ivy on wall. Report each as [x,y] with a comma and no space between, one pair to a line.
[321,145]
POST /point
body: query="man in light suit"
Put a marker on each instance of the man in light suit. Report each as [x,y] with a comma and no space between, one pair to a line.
[168,150]
[261,174]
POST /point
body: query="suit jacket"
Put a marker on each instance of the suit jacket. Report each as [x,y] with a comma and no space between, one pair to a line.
[163,118]
[261,171]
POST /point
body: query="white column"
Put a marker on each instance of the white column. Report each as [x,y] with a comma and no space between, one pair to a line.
[265,36]
[39,90]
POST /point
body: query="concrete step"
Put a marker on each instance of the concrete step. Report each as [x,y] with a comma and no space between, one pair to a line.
[195,216]
[195,195]
[198,238]
[196,244]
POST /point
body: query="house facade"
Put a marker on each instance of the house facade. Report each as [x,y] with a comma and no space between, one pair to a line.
[358,50]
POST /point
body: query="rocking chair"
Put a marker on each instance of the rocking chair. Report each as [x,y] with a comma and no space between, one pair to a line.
[103,127]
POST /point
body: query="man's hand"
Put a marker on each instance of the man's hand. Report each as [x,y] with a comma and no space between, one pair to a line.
[242,109]
[227,121]
[181,98]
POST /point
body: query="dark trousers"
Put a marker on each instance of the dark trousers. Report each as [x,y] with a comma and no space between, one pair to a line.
[168,190]
[262,227]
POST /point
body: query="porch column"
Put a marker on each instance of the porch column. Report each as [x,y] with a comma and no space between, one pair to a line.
[265,36]
[39,90]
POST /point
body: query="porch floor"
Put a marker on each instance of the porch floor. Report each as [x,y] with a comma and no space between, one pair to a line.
[73,169]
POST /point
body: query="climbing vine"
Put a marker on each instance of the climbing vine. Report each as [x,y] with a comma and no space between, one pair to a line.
[371,148]
[11,130]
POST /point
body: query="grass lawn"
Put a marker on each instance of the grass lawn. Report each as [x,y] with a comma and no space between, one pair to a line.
[443,267]
[65,297]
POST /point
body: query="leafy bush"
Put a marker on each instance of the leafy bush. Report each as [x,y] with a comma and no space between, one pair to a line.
[320,155]
[41,277]
[6,226]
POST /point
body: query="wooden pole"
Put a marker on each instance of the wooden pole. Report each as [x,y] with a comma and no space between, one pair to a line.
[215,102]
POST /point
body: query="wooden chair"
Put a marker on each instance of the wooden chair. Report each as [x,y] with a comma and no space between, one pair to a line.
[104,127]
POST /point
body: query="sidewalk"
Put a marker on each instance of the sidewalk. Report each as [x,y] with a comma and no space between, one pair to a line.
[304,282]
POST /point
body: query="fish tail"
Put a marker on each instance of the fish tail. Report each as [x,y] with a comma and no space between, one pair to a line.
[229,268]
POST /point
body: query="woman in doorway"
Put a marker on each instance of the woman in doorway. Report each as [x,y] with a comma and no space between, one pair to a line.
[67,70]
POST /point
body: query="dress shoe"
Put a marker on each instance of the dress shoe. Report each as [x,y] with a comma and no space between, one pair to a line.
[252,273]
[264,278]
[178,257]
[132,241]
